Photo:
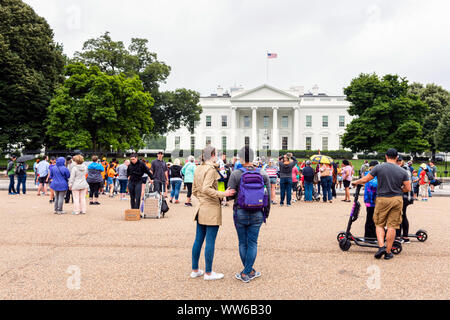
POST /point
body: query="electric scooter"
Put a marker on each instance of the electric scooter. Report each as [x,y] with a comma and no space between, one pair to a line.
[346,238]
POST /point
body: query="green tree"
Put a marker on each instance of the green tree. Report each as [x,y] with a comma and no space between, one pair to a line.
[94,110]
[437,100]
[387,115]
[442,134]
[31,65]
[172,109]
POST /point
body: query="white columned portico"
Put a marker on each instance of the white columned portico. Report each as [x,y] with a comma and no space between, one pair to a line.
[275,129]
[233,128]
[296,126]
[254,144]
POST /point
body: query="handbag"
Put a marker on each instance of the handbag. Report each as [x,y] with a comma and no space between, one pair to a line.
[164,206]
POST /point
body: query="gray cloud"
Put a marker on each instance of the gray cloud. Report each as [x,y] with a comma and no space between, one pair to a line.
[224,42]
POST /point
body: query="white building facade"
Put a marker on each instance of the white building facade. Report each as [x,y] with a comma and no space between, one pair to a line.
[266,118]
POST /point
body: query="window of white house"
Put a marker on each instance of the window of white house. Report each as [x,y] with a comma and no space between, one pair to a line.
[224,143]
[341,121]
[192,143]
[208,121]
[340,143]
[266,121]
[246,121]
[208,141]
[308,143]
[309,121]
[324,121]
[177,142]
[284,143]
[324,143]
[284,122]
[224,121]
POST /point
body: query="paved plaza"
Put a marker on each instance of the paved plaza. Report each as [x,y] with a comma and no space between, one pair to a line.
[42,255]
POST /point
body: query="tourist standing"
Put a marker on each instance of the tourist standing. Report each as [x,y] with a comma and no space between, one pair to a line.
[36,176]
[393,181]
[135,171]
[370,196]
[176,180]
[42,170]
[78,185]
[295,186]
[272,171]
[21,171]
[308,181]
[364,168]
[11,171]
[408,198]
[423,182]
[347,177]
[188,171]
[433,170]
[246,221]
[95,180]
[49,179]
[59,176]
[326,179]
[123,178]
[286,164]
[208,213]
[159,176]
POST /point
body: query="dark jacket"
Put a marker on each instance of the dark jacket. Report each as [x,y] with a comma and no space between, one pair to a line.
[175,171]
[136,170]
[59,175]
[286,169]
[95,170]
[308,174]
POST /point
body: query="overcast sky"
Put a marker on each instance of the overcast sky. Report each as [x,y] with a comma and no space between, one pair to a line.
[224,42]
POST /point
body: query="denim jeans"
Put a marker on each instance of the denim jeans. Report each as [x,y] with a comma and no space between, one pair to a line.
[326,187]
[308,191]
[59,200]
[210,232]
[285,189]
[247,225]
[11,188]
[176,186]
[22,180]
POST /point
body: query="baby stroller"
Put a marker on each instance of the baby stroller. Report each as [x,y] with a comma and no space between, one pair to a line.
[315,195]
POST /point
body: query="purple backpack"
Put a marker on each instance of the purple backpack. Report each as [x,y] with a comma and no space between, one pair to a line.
[252,194]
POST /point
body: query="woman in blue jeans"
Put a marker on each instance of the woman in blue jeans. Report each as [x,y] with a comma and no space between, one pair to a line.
[326,179]
[176,179]
[208,213]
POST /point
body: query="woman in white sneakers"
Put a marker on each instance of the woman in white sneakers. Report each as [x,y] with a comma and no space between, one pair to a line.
[78,185]
[208,213]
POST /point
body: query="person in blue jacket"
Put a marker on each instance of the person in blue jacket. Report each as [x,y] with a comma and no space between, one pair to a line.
[370,195]
[95,180]
[59,176]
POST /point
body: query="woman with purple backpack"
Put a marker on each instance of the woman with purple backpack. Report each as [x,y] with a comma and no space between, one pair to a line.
[250,210]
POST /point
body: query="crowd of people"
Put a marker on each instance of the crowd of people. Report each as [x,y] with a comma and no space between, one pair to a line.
[250,181]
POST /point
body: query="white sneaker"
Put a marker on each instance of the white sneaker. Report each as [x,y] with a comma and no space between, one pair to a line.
[199,273]
[213,276]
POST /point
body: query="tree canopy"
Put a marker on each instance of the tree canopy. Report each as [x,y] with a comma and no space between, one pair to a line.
[172,109]
[388,115]
[437,99]
[442,133]
[97,111]
[31,65]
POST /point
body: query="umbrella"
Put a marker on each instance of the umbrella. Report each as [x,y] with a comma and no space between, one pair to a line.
[25,158]
[319,158]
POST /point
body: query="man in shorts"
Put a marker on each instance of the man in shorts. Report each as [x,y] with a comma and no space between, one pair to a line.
[393,181]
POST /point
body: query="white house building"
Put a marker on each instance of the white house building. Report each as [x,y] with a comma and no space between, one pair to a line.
[266,118]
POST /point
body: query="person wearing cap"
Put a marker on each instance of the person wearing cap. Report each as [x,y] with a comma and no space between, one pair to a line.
[308,180]
[370,195]
[159,173]
[49,179]
[393,181]
[423,182]
[272,171]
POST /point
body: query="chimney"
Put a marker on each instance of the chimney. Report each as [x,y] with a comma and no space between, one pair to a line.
[315,90]
[219,91]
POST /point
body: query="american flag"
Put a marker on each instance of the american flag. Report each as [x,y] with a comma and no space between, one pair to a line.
[272,55]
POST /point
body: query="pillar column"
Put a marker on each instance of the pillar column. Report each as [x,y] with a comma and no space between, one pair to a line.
[254,144]
[296,128]
[275,137]
[233,133]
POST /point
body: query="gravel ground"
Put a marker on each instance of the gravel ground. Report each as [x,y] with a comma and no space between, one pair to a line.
[298,255]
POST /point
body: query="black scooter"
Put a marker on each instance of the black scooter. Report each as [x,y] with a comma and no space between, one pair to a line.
[346,238]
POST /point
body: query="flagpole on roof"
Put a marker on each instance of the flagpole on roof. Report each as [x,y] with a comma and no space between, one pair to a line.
[267,67]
